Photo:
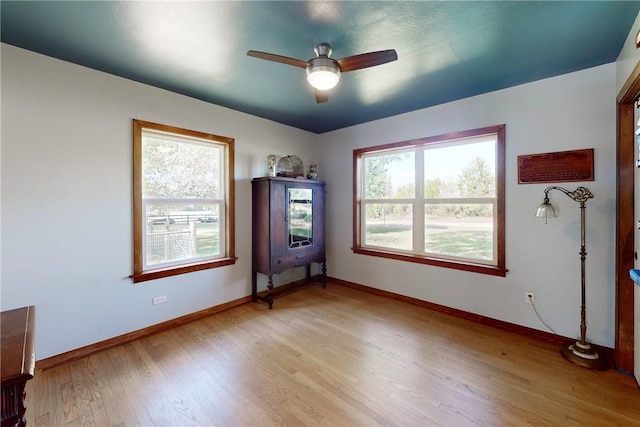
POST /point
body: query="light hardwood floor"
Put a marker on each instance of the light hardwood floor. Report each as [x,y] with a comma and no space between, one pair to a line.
[334,356]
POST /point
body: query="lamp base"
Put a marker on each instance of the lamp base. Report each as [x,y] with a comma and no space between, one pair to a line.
[583,355]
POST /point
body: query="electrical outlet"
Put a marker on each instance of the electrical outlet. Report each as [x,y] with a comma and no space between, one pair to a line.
[529,297]
[159,300]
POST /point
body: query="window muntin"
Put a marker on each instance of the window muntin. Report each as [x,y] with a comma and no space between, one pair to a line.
[436,200]
[182,206]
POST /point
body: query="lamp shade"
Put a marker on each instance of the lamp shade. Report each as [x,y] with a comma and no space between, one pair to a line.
[323,73]
[546,210]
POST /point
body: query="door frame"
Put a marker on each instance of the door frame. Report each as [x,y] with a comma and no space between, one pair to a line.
[625,221]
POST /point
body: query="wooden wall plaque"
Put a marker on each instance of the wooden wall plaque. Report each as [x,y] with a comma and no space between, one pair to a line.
[561,166]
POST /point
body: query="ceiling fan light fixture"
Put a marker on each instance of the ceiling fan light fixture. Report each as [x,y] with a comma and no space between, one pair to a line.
[323,73]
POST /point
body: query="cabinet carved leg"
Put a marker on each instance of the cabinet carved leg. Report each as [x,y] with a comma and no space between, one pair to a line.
[268,298]
[254,286]
[269,290]
[324,274]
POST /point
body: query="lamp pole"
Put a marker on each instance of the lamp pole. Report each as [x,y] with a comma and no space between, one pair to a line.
[580,353]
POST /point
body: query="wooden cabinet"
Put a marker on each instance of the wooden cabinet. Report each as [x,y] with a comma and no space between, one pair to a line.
[288,228]
[18,362]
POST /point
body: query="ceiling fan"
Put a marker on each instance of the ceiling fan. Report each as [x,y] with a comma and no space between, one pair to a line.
[323,73]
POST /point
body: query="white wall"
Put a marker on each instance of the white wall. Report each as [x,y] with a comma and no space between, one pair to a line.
[66,208]
[67,199]
[568,112]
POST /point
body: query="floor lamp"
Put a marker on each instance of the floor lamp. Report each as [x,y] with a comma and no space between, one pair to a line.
[580,352]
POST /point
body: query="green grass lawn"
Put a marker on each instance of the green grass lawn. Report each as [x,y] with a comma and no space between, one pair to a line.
[477,244]
[466,244]
[207,239]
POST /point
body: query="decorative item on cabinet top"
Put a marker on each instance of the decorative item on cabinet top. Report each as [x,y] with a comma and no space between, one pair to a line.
[290,166]
[313,171]
[271,165]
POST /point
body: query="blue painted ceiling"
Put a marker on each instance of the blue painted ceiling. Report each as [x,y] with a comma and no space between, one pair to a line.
[446,50]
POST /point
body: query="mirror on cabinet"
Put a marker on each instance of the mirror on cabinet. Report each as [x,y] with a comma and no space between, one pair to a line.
[300,202]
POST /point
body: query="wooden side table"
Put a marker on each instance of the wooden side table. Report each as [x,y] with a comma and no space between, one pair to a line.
[18,362]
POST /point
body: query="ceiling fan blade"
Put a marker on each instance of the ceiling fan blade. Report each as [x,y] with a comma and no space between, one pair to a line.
[278,58]
[322,96]
[365,60]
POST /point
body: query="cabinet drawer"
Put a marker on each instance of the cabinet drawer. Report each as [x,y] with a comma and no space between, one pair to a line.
[296,260]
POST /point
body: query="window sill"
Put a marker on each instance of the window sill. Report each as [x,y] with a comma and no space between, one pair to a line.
[174,271]
[456,265]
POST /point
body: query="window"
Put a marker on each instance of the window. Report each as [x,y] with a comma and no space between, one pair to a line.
[183,201]
[436,200]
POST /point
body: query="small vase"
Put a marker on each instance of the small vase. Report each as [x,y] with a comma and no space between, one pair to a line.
[313,171]
[271,165]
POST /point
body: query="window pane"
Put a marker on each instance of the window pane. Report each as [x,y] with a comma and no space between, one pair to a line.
[389,226]
[169,168]
[390,177]
[178,232]
[461,170]
[459,230]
